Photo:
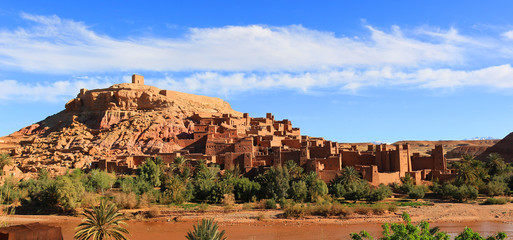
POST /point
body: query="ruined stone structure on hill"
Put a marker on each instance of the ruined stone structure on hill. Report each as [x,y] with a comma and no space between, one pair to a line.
[117,128]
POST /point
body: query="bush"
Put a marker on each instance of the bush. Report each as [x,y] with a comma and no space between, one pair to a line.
[356,191]
[444,191]
[10,192]
[90,200]
[295,211]
[495,188]
[98,181]
[298,191]
[270,204]
[380,193]
[124,200]
[417,192]
[228,200]
[363,210]
[335,209]
[338,190]
[465,192]
[495,201]
[379,209]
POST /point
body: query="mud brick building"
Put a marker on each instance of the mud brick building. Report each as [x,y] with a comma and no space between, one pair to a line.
[253,144]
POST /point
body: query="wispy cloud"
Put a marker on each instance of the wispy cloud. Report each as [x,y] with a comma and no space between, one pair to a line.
[233,59]
[56,45]
[50,91]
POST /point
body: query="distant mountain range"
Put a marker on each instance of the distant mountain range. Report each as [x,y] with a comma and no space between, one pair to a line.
[481,138]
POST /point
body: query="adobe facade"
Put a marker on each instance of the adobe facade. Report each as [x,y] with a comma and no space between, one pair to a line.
[253,144]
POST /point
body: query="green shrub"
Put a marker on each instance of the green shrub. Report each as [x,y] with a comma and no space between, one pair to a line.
[495,188]
[417,192]
[464,193]
[379,194]
[357,191]
[11,192]
[270,204]
[495,201]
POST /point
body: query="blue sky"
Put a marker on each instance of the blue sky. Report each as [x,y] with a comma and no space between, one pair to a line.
[349,71]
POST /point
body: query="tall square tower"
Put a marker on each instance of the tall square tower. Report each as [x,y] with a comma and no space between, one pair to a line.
[137,79]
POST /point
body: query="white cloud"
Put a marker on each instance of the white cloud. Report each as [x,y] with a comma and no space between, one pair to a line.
[54,45]
[53,92]
[234,59]
[508,34]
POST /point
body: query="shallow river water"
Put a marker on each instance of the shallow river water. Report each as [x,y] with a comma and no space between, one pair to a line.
[262,230]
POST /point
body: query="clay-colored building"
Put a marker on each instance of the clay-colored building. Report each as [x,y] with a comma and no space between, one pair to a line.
[251,144]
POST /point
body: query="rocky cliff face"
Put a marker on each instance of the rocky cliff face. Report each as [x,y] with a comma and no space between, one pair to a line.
[102,123]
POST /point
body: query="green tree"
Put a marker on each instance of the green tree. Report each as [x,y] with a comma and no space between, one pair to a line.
[349,175]
[207,229]
[150,171]
[69,192]
[176,190]
[179,167]
[298,191]
[245,189]
[275,183]
[98,181]
[294,170]
[102,222]
[495,164]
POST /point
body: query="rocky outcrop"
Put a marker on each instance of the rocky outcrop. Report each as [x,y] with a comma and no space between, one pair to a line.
[124,119]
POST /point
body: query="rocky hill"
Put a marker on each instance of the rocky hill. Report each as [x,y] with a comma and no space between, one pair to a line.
[504,147]
[122,119]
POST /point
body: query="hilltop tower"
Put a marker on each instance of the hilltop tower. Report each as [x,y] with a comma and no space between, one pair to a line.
[137,79]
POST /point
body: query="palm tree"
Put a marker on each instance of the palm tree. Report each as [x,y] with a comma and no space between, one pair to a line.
[350,175]
[102,223]
[178,164]
[206,230]
[495,164]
